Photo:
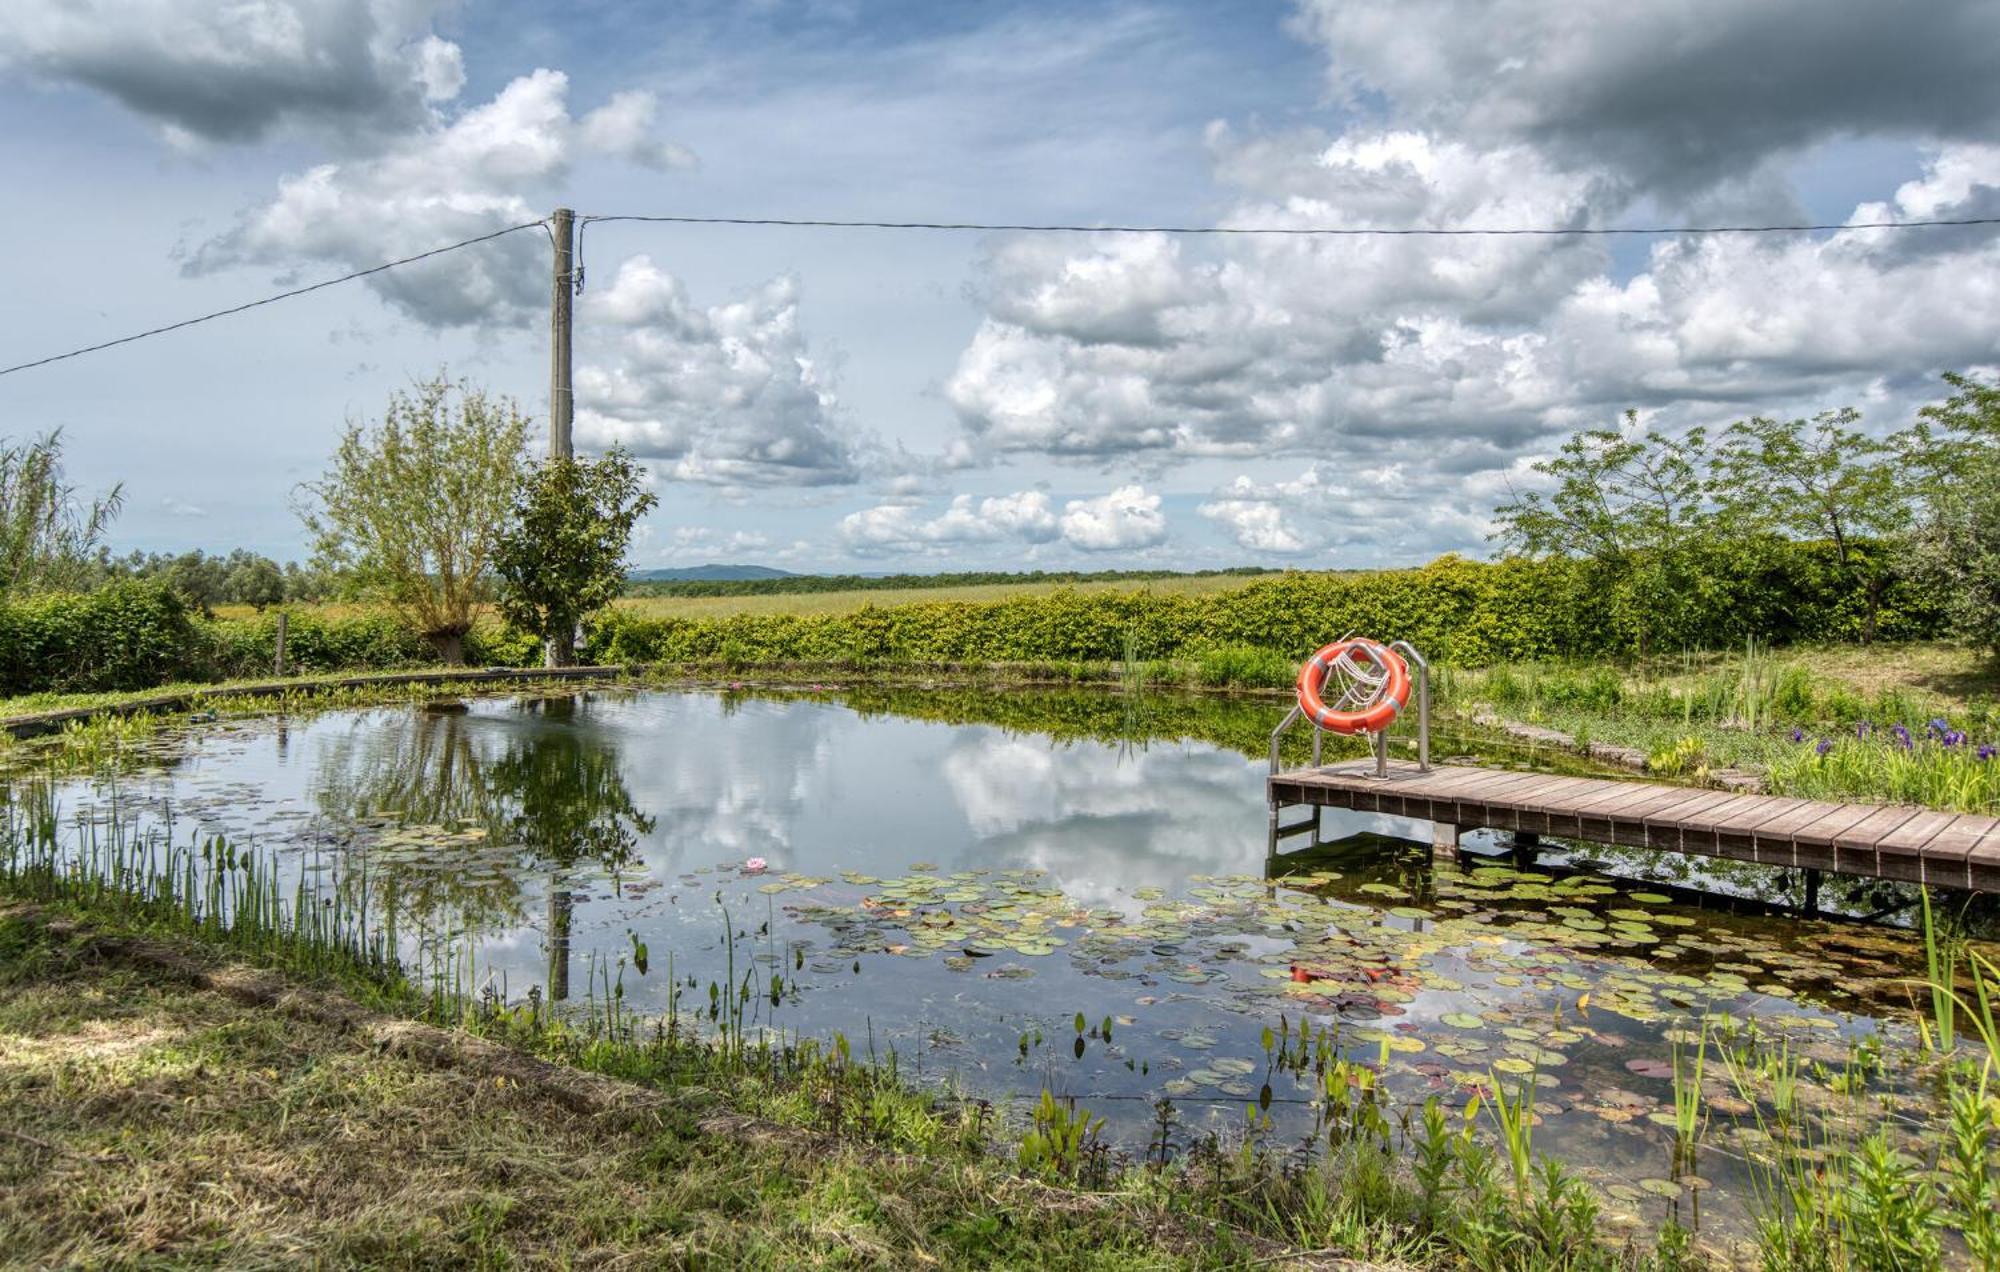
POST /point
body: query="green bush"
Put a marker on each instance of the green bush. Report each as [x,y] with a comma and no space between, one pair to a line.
[1460,612]
[247,647]
[127,635]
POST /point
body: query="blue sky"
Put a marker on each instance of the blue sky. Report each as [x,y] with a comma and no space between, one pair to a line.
[857,400]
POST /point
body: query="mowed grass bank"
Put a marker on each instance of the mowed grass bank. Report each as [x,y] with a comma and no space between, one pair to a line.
[146,1117]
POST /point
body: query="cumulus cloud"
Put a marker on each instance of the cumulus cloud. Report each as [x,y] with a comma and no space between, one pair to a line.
[234,72]
[1141,345]
[1448,360]
[687,543]
[1669,96]
[726,395]
[497,164]
[1361,513]
[1125,519]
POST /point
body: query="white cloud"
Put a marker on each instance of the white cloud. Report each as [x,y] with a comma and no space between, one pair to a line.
[726,395]
[1125,519]
[494,165]
[687,543]
[1260,527]
[1449,359]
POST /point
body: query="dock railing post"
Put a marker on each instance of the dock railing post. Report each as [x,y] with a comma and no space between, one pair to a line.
[1423,703]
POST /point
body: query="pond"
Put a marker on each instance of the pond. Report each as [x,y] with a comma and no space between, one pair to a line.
[959,878]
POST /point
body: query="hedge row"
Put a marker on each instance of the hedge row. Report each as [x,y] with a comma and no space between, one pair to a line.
[138,633]
[1460,612]
[134,634]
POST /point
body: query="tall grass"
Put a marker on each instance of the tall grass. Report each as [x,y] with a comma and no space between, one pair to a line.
[1906,766]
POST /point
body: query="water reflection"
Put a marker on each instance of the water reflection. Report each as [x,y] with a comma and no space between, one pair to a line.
[481,806]
[949,873]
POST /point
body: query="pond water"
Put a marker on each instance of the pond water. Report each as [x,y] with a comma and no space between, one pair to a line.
[957,876]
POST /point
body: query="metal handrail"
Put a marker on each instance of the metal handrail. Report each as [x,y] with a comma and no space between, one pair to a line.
[1381,739]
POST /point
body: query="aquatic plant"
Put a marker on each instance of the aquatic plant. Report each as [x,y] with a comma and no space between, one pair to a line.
[1935,767]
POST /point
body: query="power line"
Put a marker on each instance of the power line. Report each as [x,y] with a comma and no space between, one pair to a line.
[1554,231]
[1005,227]
[269,300]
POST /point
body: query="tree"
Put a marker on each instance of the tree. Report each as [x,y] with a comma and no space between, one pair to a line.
[413,507]
[562,558]
[1633,507]
[1953,456]
[46,537]
[1817,479]
[254,580]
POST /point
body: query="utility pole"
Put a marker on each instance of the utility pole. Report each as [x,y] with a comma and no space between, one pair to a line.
[560,651]
[562,400]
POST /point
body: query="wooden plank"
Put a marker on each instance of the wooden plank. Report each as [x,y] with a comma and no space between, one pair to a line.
[1891,841]
[1944,857]
[1773,842]
[1854,848]
[1475,805]
[1982,863]
[1812,844]
[1622,818]
[1900,853]
[1697,833]
[1553,810]
[1735,834]
[1663,827]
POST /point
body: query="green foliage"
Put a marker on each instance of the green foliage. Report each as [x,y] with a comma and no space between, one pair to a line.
[562,558]
[314,643]
[1822,481]
[413,507]
[1956,446]
[1458,612]
[129,635]
[1880,766]
[1063,1139]
[240,578]
[46,537]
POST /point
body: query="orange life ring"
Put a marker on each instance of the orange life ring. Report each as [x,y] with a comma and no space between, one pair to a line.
[1378,715]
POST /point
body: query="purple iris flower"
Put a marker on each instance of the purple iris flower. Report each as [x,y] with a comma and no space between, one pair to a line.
[1902,735]
[1987,751]
[1825,745]
[1798,734]
[1952,737]
[1939,727]
[1863,729]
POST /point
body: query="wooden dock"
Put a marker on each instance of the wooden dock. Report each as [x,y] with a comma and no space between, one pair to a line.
[1886,841]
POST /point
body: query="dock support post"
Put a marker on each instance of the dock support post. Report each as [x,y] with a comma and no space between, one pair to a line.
[1444,839]
[1526,843]
[1812,890]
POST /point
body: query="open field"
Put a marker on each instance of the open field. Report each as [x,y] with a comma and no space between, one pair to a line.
[848,602]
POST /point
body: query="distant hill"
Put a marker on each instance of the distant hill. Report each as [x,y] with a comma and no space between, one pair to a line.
[709,574]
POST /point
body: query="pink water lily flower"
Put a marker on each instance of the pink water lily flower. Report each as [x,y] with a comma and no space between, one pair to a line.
[756,865]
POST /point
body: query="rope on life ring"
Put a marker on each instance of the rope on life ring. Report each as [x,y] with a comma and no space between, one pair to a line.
[1375,686]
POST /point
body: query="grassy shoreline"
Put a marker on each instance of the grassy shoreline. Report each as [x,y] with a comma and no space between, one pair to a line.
[134,1097]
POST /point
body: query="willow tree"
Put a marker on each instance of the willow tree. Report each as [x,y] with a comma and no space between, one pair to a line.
[46,535]
[414,505]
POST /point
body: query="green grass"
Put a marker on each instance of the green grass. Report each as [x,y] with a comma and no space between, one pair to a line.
[146,1120]
[849,602]
[1766,711]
